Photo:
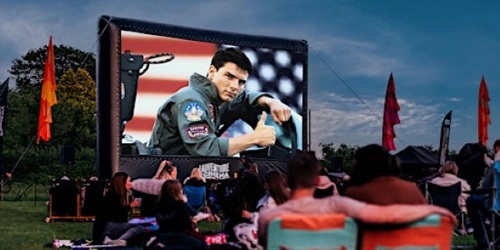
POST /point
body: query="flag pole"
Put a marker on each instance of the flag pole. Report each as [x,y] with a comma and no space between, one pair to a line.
[48,87]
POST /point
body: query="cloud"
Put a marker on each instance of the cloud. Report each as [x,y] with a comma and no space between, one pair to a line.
[339,119]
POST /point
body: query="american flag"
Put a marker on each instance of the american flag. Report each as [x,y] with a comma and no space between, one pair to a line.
[278,72]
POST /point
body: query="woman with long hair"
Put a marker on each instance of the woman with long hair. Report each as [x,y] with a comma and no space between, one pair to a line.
[110,226]
[174,218]
[277,192]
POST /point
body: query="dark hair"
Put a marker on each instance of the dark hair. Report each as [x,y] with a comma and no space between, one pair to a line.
[496,144]
[170,189]
[247,162]
[276,186]
[303,170]
[117,186]
[372,161]
[233,55]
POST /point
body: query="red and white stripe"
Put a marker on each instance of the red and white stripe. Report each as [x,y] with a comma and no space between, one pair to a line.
[162,80]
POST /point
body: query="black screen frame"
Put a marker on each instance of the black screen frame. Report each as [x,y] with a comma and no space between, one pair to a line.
[109,79]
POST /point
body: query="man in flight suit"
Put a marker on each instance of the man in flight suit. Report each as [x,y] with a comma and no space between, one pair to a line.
[190,121]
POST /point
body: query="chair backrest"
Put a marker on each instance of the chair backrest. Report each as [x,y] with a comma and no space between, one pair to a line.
[446,197]
[196,195]
[434,232]
[299,231]
[94,191]
[64,196]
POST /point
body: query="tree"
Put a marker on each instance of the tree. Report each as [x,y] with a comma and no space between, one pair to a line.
[28,70]
[345,152]
[75,121]
[73,116]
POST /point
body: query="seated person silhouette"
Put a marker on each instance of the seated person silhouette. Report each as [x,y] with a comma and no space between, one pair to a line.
[92,194]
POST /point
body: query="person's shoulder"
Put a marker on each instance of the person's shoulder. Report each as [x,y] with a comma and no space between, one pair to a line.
[185,93]
[434,180]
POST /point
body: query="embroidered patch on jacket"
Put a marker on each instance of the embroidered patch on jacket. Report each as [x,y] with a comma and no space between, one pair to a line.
[193,111]
[197,131]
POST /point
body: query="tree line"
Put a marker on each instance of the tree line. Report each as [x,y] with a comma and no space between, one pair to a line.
[74,116]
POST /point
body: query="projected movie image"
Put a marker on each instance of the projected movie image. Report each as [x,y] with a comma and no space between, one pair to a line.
[277,72]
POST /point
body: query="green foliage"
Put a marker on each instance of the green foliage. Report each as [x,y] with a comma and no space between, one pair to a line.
[75,123]
[74,119]
[345,152]
[28,70]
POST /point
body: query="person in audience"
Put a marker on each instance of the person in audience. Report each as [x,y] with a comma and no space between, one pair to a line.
[341,180]
[479,202]
[166,171]
[174,218]
[448,176]
[303,173]
[277,193]
[325,186]
[110,226]
[90,195]
[375,171]
[195,178]
[149,188]
[247,192]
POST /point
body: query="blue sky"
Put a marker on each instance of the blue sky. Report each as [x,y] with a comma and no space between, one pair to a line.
[437,50]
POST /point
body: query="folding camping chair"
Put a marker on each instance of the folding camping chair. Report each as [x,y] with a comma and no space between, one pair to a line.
[447,197]
[299,231]
[434,232]
[196,196]
[64,200]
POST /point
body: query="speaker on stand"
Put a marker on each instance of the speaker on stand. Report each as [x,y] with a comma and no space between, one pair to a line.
[67,155]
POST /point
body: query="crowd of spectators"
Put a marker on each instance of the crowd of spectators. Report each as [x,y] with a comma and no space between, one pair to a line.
[254,200]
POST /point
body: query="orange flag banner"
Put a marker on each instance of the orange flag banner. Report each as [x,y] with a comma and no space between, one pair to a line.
[391,117]
[483,117]
[48,96]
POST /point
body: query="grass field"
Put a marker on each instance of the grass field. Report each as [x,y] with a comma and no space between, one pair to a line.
[23,226]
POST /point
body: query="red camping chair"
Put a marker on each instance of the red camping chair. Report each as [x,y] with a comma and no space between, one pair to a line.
[299,231]
[434,232]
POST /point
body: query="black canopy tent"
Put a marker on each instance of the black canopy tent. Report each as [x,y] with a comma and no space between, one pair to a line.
[417,162]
